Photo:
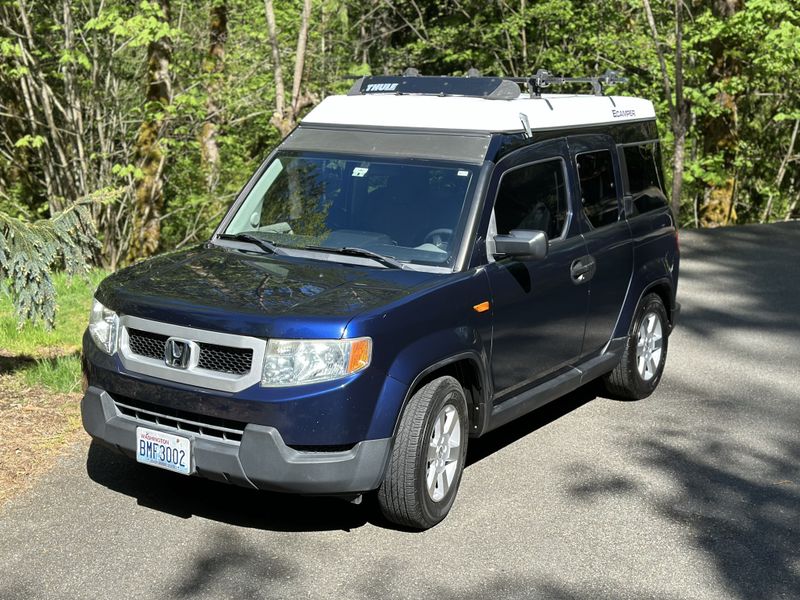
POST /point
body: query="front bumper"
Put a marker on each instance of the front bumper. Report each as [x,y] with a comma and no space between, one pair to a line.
[260,460]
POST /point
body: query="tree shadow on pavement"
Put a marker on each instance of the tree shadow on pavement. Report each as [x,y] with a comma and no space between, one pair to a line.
[740,506]
[755,267]
[495,441]
[734,475]
[230,566]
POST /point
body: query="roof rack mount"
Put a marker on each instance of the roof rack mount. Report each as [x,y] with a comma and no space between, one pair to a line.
[544,79]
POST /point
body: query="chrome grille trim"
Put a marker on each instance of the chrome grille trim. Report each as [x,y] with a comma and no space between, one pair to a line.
[194,375]
[180,424]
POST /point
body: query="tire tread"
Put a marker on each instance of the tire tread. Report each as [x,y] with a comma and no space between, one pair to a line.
[624,382]
[397,496]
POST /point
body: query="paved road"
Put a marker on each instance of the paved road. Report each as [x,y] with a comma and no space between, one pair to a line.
[692,493]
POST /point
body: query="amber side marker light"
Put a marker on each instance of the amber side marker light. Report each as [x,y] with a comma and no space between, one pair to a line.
[482,307]
[360,355]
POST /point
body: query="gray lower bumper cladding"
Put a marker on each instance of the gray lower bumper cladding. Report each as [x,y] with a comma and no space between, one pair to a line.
[262,460]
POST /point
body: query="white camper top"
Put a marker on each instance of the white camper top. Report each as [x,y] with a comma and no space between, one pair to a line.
[465,113]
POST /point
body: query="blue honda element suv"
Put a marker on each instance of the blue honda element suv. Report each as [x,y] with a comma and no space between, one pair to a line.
[418,263]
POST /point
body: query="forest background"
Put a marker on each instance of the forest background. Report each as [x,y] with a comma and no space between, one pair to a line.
[128,127]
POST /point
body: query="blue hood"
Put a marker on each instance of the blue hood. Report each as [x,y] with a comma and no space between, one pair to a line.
[222,289]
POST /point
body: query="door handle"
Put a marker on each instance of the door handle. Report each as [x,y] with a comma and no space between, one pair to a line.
[582,269]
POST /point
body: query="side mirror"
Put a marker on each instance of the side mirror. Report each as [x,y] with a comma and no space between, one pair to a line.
[522,244]
[627,206]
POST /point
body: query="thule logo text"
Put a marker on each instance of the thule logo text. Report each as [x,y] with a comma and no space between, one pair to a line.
[381,87]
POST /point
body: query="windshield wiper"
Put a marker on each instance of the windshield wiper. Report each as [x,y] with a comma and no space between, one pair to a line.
[386,261]
[265,245]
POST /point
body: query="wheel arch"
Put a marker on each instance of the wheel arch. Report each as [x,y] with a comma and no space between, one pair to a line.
[663,287]
[468,369]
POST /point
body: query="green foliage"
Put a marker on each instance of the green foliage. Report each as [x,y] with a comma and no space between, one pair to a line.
[139,27]
[29,250]
[33,141]
[49,357]
[74,300]
[742,87]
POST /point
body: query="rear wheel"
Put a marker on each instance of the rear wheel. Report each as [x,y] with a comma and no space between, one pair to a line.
[639,372]
[427,460]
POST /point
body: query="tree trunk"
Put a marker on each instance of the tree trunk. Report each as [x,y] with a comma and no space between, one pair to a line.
[74,113]
[679,116]
[213,67]
[721,129]
[791,209]
[678,110]
[677,170]
[148,201]
[286,113]
[781,172]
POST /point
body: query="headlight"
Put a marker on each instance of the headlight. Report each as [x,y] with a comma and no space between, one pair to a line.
[295,362]
[103,325]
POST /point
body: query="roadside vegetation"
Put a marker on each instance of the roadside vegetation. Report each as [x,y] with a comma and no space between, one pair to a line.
[40,382]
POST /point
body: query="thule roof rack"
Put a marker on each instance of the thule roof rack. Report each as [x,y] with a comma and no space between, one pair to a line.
[473,85]
[496,88]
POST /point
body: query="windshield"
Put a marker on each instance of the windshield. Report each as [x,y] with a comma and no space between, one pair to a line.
[409,210]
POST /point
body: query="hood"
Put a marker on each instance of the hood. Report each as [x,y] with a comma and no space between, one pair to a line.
[223,289]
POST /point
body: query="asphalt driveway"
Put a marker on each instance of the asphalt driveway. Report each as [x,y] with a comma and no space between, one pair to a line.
[691,493]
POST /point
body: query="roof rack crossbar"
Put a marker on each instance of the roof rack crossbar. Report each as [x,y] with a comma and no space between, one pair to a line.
[544,79]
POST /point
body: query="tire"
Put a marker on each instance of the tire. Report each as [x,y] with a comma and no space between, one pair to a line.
[638,373]
[405,498]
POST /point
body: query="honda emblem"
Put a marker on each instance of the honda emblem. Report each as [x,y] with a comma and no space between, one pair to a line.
[177,353]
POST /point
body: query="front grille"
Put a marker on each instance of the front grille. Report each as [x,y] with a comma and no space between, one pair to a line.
[146,343]
[222,359]
[225,359]
[180,420]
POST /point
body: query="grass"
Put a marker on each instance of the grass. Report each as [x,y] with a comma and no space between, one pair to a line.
[40,383]
[49,358]
[73,298]
[59,374]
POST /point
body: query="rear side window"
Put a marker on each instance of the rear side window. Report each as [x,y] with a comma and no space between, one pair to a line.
[643,181]
[598,191]
[533,197]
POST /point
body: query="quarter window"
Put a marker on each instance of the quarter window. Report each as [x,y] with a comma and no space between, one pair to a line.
[598,191]
[533,197]
[643,181]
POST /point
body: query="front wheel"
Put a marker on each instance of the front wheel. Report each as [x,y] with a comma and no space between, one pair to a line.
[427,460]
[638,373]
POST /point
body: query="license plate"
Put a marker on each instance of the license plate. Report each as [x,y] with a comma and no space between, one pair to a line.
[164,450]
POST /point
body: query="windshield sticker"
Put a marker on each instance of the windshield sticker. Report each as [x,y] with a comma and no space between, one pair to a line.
[360,171]
[463,173]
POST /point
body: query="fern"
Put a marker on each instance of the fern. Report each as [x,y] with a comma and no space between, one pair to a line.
[31,250]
